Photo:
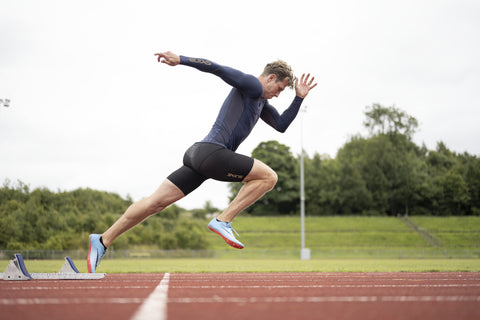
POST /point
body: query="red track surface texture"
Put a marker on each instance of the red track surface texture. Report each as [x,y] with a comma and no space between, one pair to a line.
[247,296]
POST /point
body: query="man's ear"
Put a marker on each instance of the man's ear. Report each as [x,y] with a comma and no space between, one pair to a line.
[271,77]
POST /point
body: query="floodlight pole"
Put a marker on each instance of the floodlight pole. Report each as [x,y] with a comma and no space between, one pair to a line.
[304,253]
[302,205]
[5,102]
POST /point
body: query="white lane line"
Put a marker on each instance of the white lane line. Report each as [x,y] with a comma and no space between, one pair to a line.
[159,310]
[242,300]
[278,279]
[56,301]
[155,306]
[77,288]
[332,286]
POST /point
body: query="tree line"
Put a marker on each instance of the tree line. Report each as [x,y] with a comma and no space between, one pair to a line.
[384,173]
[42,219]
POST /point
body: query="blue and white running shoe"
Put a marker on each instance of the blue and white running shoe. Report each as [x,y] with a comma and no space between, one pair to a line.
[224,229]
[96,251]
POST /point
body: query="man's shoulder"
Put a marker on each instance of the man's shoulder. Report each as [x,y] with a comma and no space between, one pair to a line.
[252,86]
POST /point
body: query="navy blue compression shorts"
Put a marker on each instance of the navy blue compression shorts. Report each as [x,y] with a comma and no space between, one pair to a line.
[204,161]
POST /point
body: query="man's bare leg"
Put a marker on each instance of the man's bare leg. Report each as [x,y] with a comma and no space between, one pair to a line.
[164,196]
[259,181]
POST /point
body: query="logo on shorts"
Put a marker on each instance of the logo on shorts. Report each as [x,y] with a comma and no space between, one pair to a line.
[236,176]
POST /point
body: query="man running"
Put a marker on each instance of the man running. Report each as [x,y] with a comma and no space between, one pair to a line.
[214,157]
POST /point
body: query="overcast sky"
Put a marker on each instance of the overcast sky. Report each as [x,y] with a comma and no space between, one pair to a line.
[91,107]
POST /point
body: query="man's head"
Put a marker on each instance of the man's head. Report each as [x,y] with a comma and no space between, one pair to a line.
[275,78]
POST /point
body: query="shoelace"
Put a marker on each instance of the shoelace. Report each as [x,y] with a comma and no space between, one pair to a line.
[229,225]
[99,257]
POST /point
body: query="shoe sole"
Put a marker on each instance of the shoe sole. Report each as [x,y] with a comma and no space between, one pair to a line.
[228,241]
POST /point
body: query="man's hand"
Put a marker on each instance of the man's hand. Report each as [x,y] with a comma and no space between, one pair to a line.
[303,87]
[168,57]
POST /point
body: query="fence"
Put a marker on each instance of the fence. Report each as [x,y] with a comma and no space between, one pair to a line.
[333,253]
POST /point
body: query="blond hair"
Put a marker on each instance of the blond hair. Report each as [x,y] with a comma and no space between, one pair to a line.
[281,70]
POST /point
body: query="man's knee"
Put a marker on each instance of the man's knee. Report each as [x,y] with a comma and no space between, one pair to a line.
[265,174]
[271,179]
[164,196]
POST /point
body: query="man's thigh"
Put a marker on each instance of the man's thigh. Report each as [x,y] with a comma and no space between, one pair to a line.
[186,179]
[226,165]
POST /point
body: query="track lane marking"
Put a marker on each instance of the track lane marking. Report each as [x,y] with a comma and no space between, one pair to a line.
[243,300]
[331,286]
[77,288]
[57,301]
[158,311]
[155,306]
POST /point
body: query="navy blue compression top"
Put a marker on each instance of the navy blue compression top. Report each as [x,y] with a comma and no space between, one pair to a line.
[242,107]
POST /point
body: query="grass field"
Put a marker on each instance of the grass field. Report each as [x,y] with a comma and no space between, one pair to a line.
[452,232]
[348,244]
[355,232]
[263,265]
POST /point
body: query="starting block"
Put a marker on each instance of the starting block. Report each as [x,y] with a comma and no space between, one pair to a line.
[17,270]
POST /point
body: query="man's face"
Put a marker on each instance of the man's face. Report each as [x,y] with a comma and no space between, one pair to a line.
[273,88]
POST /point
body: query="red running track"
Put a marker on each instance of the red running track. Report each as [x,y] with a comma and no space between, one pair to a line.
[229,296]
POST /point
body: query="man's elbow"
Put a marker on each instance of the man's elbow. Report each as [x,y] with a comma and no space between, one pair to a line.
[282,128]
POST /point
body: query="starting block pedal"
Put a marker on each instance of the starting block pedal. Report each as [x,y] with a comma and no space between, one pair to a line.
[69,266]
[17,270]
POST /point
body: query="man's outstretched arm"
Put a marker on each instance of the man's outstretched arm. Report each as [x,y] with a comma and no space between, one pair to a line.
[245,82]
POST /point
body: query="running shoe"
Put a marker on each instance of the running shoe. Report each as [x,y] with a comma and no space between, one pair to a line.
[96,251]
[224,229]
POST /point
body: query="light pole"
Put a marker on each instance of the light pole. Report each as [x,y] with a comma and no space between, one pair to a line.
[5,102]
[304,252]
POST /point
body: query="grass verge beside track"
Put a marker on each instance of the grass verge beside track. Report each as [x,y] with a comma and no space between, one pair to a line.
[261,265]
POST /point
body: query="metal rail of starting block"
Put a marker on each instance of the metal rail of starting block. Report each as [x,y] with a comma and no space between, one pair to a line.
[17,270]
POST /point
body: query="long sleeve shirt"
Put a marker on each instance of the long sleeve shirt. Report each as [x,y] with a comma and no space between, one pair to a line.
[243,106]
